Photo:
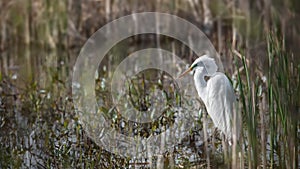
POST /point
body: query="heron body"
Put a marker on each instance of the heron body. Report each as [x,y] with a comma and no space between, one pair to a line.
[216,93]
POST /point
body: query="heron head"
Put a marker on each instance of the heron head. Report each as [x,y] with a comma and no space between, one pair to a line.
[203,63]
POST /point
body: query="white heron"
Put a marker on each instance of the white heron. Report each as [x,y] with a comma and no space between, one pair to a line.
[216,93]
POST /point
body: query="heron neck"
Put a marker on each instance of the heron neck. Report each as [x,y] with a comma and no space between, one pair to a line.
[200,84]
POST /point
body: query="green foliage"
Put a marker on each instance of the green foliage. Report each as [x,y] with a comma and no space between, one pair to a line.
[282,89]
[37,117]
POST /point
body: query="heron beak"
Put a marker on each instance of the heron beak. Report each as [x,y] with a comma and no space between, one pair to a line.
[184,73]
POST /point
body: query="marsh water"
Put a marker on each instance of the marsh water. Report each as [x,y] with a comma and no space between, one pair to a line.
[39,125]
[39,122]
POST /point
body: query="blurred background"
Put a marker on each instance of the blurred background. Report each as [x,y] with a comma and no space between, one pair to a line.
[258,42]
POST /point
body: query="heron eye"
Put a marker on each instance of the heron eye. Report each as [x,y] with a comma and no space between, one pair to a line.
[192,67]
[197,64]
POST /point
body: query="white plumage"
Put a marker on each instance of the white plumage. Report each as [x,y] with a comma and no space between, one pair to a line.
[216,93]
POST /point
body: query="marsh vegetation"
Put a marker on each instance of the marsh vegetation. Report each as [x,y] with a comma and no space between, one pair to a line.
[258,42]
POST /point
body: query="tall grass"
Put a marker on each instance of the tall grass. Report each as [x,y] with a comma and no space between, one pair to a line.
[248,99]
[33,22]
[38,117]
[283,84]
[281,126]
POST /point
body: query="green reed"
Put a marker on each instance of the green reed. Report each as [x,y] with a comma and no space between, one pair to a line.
[283,84]
[247,99]
[51,114]
[281,124]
